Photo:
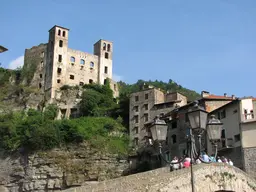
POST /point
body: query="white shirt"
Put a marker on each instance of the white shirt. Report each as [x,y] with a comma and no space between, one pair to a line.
[231,163]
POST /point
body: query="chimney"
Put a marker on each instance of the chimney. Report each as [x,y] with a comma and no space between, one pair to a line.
[233,97]
[225,94]
[204,94]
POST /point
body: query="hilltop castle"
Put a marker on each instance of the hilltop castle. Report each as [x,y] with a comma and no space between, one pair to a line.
[55,64]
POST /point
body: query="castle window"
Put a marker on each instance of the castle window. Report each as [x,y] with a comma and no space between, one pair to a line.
[59,32]
[91,65]
[137,98]
[106,70]
[72,77]
[59,70]
[136,141]
[41,76]
[60,43]
[58,80]
[82,62]
[60,58]
[136,108]
[146,106]
[104,46]
[146,117]
[72,59]
[174,139]
[64,33]
[40,85]
[136,119]
[146,96]
[115,87]
[105,81]
[109,47]
[106,55]
[90,81]
[81,83]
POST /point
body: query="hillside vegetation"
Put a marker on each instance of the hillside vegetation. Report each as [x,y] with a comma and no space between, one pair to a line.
[102,120]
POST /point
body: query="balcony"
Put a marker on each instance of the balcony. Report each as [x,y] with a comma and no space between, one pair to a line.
[248,116]
[225,143]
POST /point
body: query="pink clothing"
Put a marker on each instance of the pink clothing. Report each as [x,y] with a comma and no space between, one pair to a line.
[186,164]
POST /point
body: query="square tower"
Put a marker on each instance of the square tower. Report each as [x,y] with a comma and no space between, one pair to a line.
[56,60]
[104,50]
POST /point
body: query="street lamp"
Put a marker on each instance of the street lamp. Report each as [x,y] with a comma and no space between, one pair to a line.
[198,124]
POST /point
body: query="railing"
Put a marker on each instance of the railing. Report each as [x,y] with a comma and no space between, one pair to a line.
[248,116]
[225,143]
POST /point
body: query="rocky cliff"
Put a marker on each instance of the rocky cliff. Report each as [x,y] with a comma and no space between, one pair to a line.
[58,169]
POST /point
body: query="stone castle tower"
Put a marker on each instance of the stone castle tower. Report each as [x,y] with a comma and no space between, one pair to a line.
[58,65]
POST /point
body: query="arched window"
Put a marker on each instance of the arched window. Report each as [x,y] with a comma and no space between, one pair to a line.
[72,59]
[59,32]
[109,47]
[174,139]
[106,55]
[104,46]
[64,33]
[90,81]
[82,62]
[60,43]
[91,65]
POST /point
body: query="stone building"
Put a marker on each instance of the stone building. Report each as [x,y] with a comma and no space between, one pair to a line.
[145,105]
[237,117]
[178,122]
[58,65]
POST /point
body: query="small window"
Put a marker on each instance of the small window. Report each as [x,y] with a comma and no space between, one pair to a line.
[81,83]
[91,64]
[115,87]
[59,70]
[109,48]
[82,62]
[106,55]
[106,70]
[72,77]
[174,124]
[136,108]
[64,33]
[60,58]
[174,139]
[136,98]
[42,64]
[146,96]
[90,81]
[136,141]
[60,43]
[146,106]
[105,81]
[237,138]
[72,59]
[40,85]
[41,76]
[146,117]
[136,129]
[59,32]
[223,135]
[104,46]
[136,119]
[223,114]
[58,80]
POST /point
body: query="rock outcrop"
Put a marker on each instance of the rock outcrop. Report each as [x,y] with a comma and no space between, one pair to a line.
[58,169]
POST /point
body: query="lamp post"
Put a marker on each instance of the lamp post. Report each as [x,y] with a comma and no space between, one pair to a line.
[198,124]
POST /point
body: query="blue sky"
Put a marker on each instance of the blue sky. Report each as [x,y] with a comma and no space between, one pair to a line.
[202,45]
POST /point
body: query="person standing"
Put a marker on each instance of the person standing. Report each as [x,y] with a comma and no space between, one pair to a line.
[230,162]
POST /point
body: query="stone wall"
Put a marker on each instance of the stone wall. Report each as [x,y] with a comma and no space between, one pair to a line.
[249,155]
[207,178]
[58,169]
